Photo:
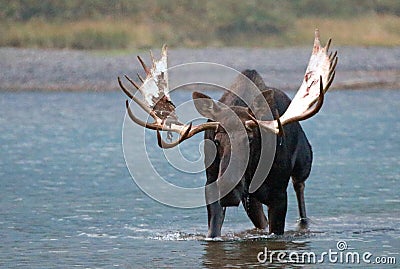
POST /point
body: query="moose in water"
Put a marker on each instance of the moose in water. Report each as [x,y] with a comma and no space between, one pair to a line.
[292,156]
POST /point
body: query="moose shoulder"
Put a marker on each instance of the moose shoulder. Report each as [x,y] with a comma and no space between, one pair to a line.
[241,133]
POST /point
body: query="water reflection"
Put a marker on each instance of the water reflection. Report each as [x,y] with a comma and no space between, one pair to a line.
[243,254]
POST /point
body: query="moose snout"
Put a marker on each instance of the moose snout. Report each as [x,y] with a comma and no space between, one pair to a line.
[231,177]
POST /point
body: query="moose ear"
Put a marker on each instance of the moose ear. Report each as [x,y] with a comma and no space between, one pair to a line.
[262,103]
[205,105]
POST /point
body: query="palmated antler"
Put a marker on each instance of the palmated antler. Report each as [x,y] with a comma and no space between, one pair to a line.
[309,98]
[157,103]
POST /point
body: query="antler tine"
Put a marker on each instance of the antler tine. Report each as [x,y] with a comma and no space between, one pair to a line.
[334,60]
[164,50]
[187,133]
[333,63]
[153,60]
[317,42]
[140,77]
[330,80]
[272,125]
[132,82]
[165,145]
[332,55]
[146,69]
[328,44]
[280,127]
[203,127]
[125,90]
[151,126]
[139,102]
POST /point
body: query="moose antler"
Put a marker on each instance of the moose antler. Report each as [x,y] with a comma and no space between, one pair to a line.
[309,98]
[157,102]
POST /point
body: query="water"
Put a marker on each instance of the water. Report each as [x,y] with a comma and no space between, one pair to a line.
[67,199]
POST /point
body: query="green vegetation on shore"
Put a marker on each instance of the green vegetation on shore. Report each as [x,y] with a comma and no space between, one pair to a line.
[122,24]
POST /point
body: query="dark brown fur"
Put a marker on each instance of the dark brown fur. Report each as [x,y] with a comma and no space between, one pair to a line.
[293,158]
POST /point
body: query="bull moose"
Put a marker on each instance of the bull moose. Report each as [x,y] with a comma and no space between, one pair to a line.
[292,156]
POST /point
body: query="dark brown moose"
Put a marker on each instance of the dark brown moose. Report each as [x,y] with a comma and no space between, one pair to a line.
[292,156]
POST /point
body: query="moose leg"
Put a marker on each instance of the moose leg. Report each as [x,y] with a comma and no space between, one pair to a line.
[216,215]
[299,189]
[254,210]
[277,208]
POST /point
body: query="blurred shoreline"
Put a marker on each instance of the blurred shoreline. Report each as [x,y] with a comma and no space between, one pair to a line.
[71,70]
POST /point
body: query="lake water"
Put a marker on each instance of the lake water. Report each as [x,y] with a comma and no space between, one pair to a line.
[67,199]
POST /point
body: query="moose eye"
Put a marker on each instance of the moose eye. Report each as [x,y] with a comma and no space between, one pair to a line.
[217,142]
